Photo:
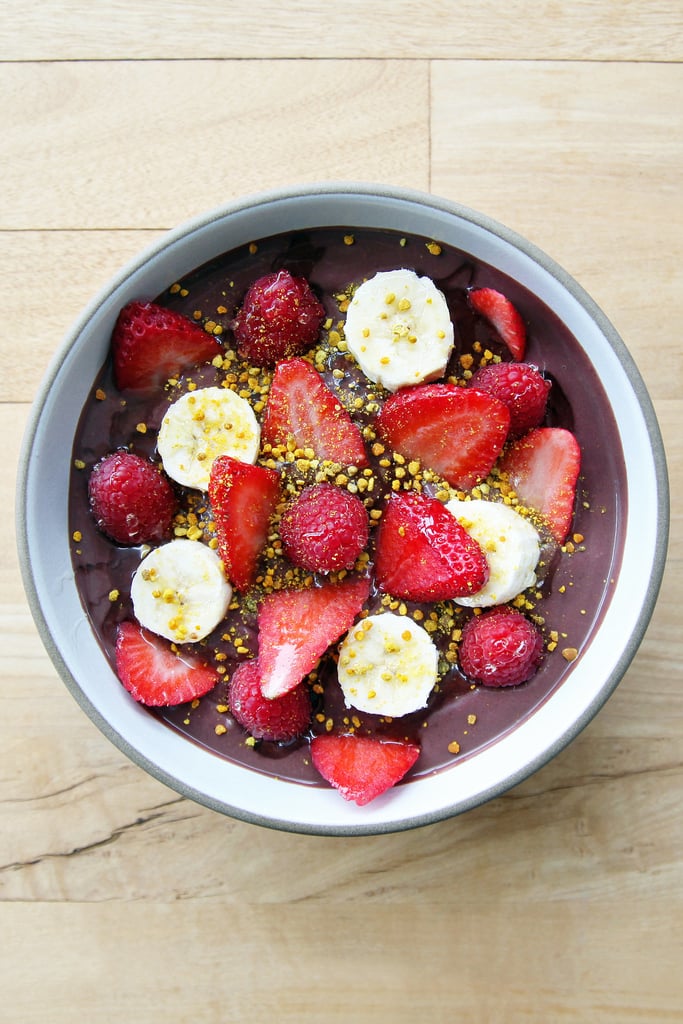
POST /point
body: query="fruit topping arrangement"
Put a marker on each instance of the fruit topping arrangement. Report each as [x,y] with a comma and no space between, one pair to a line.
[328,516]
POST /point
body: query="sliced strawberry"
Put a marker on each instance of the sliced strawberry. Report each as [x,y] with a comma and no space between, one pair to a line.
[457,432]
[424,554]
[243,498]
[151,344]
[542,467]
[362,767]
[302,408]
[154,673]
[297,626]
[504,317]
[281,719]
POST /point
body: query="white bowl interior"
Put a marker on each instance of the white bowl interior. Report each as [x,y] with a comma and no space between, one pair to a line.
[45,547]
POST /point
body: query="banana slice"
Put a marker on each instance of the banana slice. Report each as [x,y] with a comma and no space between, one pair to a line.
[202,425]
[179,591]
[387,665]
[399,329]
[510,544]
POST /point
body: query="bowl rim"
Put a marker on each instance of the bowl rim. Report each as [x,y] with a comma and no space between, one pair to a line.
[352,190]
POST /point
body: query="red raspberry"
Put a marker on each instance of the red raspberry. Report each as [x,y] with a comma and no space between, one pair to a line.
[283,718]
[521,387]
[500,648]
[280,317]
[324,529]
[131,499]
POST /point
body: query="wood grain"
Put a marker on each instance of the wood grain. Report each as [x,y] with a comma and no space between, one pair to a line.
[560,900]
[467,30]
[149,144]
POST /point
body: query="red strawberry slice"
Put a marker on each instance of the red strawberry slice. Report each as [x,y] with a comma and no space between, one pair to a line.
[504,317]
[243,498]
[424,554]
[457,432]
[302,408]
[154,673]
[542,467]
[151,344]
[362,767]
[281,719]
[297,626]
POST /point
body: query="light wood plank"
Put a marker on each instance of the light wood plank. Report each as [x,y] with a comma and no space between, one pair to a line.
[601,824]
[470,30]
[52,276]
[569,963]
[585,161]
[150,144]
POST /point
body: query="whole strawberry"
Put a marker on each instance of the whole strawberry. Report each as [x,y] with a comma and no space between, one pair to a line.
[324,529]
[500,648]
[280,317]
[521,387]
[132,501]
[282,718]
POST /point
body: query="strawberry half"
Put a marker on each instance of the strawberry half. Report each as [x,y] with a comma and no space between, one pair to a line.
[295,628]
[424,554]
[362,767]
[503,316]
[302,408]
[542,467]
[151,344]
[243,498]
[152,671]
[457,432]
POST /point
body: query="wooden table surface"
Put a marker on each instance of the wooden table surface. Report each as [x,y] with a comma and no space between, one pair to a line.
[560,901]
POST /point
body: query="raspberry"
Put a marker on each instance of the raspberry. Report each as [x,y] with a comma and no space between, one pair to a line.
[500,648]
[280,317]
[324,529]
[283,718]
[521,387]
[131,499]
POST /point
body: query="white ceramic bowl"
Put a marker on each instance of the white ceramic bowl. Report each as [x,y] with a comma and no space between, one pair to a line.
[44,542]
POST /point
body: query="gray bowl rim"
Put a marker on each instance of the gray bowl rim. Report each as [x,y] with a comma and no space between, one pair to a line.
[342,188]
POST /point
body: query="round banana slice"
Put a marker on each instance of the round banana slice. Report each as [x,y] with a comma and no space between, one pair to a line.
[200,426]
[180,592]
[387,665]
[510,544]
[398,328]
